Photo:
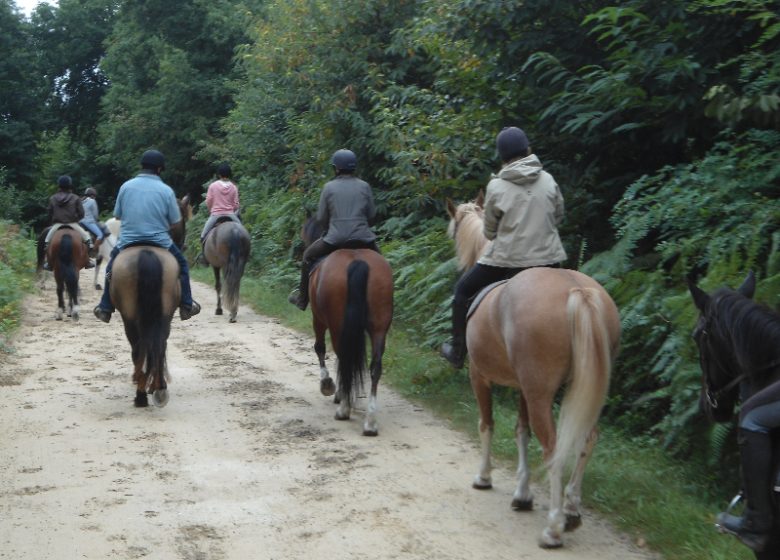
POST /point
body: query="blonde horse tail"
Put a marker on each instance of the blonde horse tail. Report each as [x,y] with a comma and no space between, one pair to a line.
[591,366]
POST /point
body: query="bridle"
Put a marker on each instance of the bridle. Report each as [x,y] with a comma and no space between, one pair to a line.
[711,395]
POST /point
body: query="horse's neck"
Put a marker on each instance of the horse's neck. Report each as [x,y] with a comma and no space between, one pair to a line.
[470,242]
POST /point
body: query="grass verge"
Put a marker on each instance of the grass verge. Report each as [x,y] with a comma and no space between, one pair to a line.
[17,266]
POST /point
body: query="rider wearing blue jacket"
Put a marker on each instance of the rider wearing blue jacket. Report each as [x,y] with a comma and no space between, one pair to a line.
[147,208]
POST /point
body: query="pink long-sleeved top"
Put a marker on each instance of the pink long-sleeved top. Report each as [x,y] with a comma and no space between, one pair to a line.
[222,198]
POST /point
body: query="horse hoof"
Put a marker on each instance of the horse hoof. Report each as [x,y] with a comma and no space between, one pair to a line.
[141,400]
[341,417]
[481,485]
[218,312]
[549,540]
[572,522]
[232,319]
[160,397]
[522,505]
[327,387]
[370,433]
[75,316]
[98,288]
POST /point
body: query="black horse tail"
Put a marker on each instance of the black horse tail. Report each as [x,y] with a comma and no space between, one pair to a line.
[234,269]
[68,268]
[352,342]
[153,328]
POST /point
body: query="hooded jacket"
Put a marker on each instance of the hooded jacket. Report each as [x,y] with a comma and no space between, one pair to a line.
[222,198]
[523,208]
[65,208]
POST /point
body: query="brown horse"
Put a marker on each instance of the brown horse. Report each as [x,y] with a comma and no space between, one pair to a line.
[145,289]
[227,250]
[68,255]
[544,328]
[351,295]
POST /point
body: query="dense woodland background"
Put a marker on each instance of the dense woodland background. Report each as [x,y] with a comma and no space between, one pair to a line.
[660,119]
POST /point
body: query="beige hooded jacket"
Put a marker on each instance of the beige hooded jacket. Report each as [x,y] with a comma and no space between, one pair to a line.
[523,207]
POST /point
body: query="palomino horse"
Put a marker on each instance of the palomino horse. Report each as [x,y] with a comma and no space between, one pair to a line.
[543,328]
[145,289]
[739,353]
[67,255]
[227,249]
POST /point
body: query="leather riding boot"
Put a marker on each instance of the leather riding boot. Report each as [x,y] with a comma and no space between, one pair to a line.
[755,526]
[455,350]
[301,298]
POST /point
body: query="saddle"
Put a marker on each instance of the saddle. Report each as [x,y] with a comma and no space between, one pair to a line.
[481,295]
[220,220]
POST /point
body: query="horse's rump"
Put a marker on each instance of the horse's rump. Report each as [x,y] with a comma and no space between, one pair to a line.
[140,270]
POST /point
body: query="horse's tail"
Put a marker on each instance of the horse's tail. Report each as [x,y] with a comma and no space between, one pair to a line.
[352,342]
[68,268]
[234,269]
[152,326]
[591,366]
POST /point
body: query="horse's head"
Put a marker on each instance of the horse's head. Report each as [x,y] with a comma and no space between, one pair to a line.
[311,229]
[465,228]
[185,208]
[720,373]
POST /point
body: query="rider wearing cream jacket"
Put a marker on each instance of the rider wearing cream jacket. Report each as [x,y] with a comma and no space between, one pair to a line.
[523,208]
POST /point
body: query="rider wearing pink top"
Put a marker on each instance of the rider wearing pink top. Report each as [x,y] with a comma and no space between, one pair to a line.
[221,200]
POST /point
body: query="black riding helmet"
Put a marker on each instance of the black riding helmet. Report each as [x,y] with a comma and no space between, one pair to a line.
[511,142]
[152,159]
[224,170]
[344,160]
[64,182]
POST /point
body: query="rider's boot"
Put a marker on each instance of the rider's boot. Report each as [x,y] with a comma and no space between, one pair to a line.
[454,351]
[300,298]
[90,250]
[46,265]
[188,311]
[754,528]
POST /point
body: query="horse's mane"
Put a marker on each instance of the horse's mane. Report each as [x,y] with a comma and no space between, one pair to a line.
[466,228]
[754,331]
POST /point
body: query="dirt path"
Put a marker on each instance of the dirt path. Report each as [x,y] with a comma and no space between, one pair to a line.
[246,461]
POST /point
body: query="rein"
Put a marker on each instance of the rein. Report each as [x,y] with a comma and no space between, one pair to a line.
[712,397]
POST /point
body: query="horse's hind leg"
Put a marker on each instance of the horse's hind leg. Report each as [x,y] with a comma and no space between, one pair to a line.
[370,424]
[523,499]
[96,281]
[482,392]
[573,493]
[139,378]
[218,287]
[60,301]
[541,418]
[327,386]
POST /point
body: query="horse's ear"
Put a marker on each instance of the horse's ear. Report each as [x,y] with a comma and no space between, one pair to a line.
[748,287]
[451,210]
[480,201]
[700,297]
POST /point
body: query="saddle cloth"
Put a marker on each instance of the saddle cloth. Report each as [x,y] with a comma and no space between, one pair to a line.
[481,295]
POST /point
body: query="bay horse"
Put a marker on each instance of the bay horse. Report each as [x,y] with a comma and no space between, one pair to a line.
[145,290]
[739,353]
[226,248]
[67,255]
[351,295]
[540,330]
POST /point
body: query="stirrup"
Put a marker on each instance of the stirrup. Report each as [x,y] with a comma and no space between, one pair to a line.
[296,299]
[102,314]
[189,311]
[454,356]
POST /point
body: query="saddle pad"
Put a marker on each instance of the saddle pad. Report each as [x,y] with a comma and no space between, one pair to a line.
[481,295]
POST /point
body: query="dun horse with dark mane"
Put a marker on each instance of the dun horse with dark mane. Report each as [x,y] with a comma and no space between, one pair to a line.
[226,249]
[543,328]
[145,289]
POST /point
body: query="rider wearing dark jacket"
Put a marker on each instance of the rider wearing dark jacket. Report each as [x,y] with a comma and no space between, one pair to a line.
[345,210]
[759,419]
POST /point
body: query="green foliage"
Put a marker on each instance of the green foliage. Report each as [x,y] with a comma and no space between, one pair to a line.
[718,217]
[17,259]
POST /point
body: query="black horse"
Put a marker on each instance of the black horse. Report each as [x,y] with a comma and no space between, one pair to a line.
[739,352]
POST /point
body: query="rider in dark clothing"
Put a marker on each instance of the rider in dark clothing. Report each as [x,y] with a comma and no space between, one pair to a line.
[345,210]
[759,417]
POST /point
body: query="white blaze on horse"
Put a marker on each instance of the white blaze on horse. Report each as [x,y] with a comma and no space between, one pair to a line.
[542,329]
